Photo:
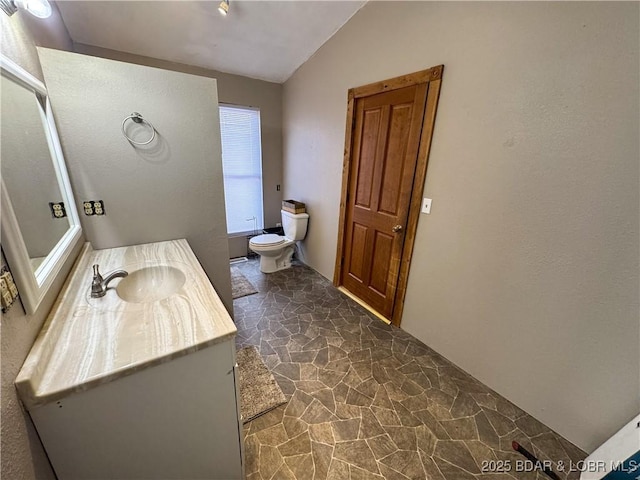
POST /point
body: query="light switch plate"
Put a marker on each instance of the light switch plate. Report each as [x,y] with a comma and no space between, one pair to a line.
[426,205]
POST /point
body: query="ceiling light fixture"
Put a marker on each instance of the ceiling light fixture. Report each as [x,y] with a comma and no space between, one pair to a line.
[223,8]
[37,8]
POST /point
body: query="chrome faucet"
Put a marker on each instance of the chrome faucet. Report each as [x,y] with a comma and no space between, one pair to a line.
[99,285]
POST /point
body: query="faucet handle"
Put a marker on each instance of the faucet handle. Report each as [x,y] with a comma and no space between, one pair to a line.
[96,271]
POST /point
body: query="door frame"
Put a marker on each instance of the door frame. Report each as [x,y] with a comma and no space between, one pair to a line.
[432,76]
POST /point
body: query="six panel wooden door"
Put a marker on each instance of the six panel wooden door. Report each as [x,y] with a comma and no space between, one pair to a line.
[385,142]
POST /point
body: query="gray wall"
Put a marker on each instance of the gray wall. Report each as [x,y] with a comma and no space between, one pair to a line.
[237,90]
[526,272]
[171,189]
[22,454]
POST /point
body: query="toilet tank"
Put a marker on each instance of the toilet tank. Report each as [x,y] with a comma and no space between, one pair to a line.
[294,225]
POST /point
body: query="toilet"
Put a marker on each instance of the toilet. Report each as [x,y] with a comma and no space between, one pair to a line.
[275,250]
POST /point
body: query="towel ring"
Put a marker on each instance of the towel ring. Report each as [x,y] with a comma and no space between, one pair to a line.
[137,118]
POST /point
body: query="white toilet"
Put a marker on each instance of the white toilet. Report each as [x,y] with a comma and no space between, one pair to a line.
[275,250]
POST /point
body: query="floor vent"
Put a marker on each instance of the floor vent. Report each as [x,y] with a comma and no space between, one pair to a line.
[233,261]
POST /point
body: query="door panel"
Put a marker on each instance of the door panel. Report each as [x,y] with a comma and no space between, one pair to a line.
[356,264]
[382,247]
[386,138]
[370,128]
[392,170]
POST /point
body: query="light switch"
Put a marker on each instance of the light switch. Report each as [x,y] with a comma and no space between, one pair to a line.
[426,205]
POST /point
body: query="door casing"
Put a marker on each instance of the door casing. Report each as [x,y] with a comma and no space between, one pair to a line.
[433,77]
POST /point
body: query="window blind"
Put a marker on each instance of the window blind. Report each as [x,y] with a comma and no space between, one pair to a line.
[242,168]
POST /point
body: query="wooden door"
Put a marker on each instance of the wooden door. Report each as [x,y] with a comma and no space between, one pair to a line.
[385,143]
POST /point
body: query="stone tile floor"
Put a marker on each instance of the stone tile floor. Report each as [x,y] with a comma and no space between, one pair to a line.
[369,401]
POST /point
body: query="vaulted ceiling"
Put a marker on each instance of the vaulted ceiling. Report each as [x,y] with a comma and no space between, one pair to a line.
[267,40]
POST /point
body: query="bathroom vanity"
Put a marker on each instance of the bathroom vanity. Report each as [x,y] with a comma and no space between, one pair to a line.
[141,382]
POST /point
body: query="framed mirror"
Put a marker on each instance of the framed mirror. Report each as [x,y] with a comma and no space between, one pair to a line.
[39,221]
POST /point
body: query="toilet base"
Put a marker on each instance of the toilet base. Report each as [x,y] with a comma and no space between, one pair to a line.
[270,264]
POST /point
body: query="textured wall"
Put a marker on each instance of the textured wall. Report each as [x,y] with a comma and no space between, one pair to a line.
[22,454]
[526,272]
[236,90]
[171,189]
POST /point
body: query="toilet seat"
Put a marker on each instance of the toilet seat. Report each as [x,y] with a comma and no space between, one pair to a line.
[267,240]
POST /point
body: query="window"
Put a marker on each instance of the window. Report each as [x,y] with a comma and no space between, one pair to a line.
[242,168]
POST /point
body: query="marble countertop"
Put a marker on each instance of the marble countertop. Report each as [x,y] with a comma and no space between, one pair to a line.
[89,341]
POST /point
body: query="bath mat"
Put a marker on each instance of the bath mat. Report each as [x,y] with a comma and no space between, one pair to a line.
[240,286]
[259,392]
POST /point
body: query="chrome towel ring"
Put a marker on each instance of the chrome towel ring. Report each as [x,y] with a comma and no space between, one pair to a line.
[137,118]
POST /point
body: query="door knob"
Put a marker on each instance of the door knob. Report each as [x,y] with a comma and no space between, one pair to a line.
[396,229]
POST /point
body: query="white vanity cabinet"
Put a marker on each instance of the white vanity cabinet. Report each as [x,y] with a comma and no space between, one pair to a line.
[140,390]
[176,420]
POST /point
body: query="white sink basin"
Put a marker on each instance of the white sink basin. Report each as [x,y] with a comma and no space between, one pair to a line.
[150,284]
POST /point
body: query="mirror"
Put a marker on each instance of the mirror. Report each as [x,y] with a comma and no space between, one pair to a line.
[40,224]
[30,182]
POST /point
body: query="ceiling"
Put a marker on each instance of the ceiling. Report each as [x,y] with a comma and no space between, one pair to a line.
[267,40]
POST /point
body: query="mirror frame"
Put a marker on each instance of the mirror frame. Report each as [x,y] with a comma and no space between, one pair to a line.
[33,286]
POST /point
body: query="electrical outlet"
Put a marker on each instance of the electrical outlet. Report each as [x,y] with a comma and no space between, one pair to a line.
[57,209]
[93,207]
[98,207]
[11,285]
[278,188]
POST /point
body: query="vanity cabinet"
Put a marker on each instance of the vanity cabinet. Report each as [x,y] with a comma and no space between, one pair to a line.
[176,420]
[141,390]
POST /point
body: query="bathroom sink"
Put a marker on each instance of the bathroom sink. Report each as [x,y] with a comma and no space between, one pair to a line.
[150,284]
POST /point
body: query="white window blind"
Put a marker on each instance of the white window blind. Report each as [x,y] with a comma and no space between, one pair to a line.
[242,167]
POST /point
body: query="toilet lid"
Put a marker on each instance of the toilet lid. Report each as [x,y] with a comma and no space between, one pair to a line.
[267,240]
